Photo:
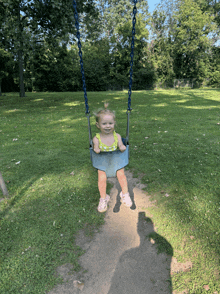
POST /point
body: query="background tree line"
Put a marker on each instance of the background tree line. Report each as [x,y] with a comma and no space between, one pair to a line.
[38,49]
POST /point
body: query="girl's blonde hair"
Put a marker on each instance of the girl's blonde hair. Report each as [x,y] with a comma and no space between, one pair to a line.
[104,111]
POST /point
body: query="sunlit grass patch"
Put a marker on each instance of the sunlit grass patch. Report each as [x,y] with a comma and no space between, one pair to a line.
[75,103]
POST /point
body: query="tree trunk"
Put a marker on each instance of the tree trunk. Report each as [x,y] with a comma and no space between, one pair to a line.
[20,57]
[3,186]
[21,76]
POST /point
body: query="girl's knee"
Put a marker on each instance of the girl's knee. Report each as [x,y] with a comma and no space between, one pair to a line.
[102,175]
[120,173]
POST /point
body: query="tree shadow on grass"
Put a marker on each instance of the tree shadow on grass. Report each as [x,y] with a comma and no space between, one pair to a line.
[36,239]
[145,269]
[41,229]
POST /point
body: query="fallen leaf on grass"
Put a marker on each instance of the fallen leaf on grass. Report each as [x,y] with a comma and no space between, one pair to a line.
[192,237]
[72,173]
[206,287]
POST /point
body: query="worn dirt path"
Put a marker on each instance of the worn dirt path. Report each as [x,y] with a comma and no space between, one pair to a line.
[120,259]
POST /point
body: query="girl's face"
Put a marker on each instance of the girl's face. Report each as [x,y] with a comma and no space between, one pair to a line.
[106,124]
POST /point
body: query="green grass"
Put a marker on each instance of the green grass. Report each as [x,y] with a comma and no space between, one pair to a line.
[174,142]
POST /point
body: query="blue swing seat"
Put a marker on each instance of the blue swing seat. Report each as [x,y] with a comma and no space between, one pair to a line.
[110,162]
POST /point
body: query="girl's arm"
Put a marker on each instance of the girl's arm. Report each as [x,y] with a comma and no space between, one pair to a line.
[121,146]
[96,145]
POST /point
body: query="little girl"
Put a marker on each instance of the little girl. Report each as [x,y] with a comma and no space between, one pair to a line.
[108,140]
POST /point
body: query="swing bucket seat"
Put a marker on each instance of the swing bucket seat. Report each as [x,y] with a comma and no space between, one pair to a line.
[110,162]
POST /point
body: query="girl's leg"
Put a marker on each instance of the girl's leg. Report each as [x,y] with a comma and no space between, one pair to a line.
[122,180]
[125,197]
[102,179]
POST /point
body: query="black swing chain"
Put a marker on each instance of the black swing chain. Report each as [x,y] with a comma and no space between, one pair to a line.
[132,55]
[81,60]
[80,56]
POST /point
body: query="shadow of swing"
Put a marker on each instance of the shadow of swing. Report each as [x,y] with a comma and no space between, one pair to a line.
[118,199]
[144,269]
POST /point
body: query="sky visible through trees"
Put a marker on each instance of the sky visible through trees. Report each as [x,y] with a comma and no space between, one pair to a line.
[152,4]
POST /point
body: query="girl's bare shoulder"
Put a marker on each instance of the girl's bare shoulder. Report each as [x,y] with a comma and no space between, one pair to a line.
[118,135]
[95,140]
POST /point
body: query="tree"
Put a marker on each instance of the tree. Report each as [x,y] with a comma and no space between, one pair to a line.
[120,66]
[97,64]
[114,13]
[214,76]
[191,43]
[13,34]
[212,7]
[6,62]
[161,48]
[116,19]
[184,32]
[48,19]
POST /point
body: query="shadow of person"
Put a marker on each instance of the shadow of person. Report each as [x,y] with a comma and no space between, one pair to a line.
[144,269]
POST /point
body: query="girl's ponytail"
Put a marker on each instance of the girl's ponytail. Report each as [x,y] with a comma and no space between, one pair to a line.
[104,111]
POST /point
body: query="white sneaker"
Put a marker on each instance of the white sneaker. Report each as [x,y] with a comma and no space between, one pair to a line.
[103,204]
[126,199]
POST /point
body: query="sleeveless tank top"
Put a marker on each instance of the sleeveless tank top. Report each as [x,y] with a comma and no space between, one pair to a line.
[105,148]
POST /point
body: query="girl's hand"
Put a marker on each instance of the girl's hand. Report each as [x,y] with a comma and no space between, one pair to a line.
[122,148]
[97,150]
[96,145]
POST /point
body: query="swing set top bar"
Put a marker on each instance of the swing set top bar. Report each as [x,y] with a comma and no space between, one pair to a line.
[81,60]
